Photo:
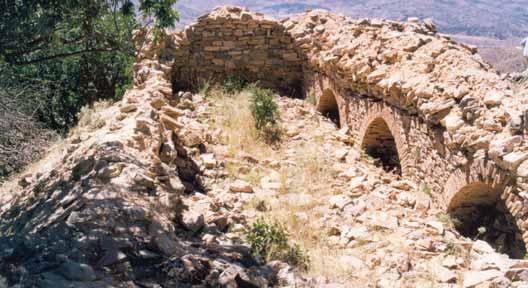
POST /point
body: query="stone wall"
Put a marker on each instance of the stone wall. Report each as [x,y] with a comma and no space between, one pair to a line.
[421,151]
[232,41]
[454,121]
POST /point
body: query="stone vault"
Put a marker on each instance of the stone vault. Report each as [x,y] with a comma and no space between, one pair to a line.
[429,108]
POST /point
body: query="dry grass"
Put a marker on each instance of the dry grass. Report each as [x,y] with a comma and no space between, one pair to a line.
[304,182]
[232,116]
[91,118]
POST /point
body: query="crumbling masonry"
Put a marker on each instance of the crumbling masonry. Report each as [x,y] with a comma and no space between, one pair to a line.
[431,107]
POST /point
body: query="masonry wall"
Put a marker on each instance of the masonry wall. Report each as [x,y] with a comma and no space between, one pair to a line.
[421,149]
[454,120]
[239,43]
[443,172]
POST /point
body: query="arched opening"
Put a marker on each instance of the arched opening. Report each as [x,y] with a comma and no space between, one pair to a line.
[379,143]
[478,213]
[328,106]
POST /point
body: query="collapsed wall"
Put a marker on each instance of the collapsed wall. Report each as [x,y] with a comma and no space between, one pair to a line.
[431,108]
[110,204]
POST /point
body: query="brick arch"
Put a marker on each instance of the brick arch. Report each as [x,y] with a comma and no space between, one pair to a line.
[379,116]
[482,184]
[328,104]
[480,172]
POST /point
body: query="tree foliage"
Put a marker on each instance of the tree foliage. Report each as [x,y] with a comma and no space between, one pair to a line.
[39,30]
[59,55]
[72,52]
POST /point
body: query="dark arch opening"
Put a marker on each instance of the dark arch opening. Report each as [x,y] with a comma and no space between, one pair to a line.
[329,108]
[379,143]
[478,213]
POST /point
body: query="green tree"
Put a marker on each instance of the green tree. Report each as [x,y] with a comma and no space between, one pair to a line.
[39,30]
[72,52]
[59,55]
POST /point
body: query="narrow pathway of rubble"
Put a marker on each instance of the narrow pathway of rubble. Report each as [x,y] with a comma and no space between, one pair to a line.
[361,226]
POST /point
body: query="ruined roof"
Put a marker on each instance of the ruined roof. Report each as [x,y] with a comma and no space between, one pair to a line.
[412,67]
[406,64]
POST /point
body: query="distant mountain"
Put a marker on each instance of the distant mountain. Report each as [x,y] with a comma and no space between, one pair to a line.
[491,18]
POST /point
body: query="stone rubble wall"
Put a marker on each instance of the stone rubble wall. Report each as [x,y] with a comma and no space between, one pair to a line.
[232,41]
[115,183]
[454,119]
[422,156]
[467,122]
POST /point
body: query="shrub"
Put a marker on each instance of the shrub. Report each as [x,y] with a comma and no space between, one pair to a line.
[270,242]
[3,173]
[271,133]
[265,112]
[39,187]
[263,107]
[233,84]
[310,98]
[205,88]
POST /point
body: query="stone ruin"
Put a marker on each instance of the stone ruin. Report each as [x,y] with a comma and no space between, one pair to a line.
[426,107]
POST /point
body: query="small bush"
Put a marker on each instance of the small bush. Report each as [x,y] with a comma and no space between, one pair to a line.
[272,133]
[263,107]
[4,174]
[310,98]
[233,84]
[270,242]
[205,88]
[426,189]
[39,187]
[265,112]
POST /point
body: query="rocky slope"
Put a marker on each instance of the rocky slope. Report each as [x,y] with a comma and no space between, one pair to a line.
[94,222]
[108,213]
[362,226]
[158,191]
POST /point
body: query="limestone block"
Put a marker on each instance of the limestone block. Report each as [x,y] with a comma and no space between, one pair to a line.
[502,144]
[514,159]
[240,186]
[522,169]
[452,121]
[170,122]
[493,98]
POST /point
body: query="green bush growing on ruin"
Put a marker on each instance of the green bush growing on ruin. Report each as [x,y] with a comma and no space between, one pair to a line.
[205,89]
[269,241]
[3,174]
[233,84]
[310,98]
[265,112]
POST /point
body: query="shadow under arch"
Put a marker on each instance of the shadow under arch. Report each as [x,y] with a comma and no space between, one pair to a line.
[379,143]
[328,106]
[477,209]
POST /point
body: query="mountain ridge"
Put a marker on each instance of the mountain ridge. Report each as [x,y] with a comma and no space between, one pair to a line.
[471,17]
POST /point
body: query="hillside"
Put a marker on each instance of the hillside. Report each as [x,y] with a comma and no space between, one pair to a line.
[496,19]
[317,152]
[504,55]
